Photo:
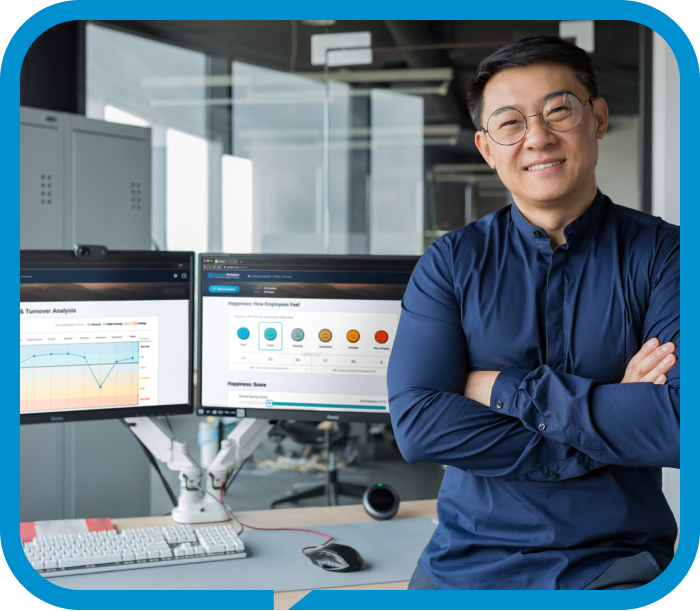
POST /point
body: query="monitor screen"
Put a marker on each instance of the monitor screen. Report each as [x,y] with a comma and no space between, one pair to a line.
[108,337]
[298,337]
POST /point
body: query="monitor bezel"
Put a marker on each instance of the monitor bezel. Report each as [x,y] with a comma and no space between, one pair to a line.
[289,414]
[67,260]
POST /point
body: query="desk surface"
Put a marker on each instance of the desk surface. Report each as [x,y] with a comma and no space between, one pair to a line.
[296,517]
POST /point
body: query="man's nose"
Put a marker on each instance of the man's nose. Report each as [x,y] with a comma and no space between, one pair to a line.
[538,134]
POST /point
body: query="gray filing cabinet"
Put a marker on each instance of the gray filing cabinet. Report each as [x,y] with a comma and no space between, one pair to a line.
[83,181]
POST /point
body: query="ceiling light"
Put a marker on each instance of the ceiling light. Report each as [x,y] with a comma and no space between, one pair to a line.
[319,22]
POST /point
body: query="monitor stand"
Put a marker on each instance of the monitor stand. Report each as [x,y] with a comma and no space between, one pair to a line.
[193,508]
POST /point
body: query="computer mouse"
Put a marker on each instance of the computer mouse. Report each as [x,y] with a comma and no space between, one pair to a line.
[336,557]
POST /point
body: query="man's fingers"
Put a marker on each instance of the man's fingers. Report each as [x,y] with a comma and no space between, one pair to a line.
[661,369]
[647,366]
[644,351]
[661,380]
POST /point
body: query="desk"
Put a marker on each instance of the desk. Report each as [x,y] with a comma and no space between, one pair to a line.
[298,517]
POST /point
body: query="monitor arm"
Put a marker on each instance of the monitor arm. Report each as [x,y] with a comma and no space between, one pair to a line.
[235,449]
[166,448]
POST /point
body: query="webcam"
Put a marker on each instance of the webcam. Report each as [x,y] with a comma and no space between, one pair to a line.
[84,251]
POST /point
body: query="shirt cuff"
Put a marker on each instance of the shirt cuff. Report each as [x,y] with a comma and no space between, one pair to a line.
[504,390]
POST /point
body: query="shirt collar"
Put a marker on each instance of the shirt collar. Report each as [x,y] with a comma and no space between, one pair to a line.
[572,232]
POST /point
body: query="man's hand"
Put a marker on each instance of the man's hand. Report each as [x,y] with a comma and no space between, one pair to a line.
[650,364]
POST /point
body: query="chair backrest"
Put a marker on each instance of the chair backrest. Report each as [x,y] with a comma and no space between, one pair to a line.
[307,433]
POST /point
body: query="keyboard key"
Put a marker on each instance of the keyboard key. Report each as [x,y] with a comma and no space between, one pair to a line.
[67,563]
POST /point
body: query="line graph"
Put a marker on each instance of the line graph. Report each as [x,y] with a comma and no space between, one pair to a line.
[80,375]
[100,384]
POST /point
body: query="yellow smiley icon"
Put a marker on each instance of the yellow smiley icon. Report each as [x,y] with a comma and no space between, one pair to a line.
[325,336]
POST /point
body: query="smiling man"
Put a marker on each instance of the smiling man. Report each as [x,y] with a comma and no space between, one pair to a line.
[538,353]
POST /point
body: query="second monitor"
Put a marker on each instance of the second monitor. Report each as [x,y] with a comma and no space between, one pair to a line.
[298,337]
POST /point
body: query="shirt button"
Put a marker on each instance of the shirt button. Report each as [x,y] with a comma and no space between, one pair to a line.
[537,234]
[542,426]
[554,476]
[499,404]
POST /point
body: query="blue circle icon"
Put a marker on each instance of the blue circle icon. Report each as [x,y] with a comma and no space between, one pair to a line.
[270,334]
[243,333]
[298,335]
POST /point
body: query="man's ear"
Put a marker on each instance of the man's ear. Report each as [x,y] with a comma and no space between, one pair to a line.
[482,143]
[600,113]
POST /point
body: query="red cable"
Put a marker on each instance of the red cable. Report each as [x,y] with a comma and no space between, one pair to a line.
[302,530]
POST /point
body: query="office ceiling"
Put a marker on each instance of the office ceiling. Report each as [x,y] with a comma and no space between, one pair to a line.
[459,45]
[271,44]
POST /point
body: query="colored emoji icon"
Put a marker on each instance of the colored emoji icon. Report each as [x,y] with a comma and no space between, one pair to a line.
[298,335]
[243,333]
[381,337]
[325,336]
[270,334]
[353,336]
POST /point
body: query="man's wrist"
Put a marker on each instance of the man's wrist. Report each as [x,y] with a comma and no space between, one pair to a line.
[504,390]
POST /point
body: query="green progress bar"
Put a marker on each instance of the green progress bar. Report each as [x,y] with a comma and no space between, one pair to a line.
[278,404]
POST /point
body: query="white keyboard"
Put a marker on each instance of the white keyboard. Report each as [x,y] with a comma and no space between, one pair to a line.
[133,548]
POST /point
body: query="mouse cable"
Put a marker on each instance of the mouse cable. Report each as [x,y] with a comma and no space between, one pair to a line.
[226,511]
[243,526]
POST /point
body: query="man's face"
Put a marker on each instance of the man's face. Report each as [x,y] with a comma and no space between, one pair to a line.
[526,89]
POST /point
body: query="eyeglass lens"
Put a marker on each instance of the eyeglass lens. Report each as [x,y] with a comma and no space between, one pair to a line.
[562,112]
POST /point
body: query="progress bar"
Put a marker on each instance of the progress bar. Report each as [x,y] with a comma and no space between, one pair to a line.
[324,405]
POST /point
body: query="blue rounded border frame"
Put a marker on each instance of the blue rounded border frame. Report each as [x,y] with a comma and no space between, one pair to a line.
[407,9]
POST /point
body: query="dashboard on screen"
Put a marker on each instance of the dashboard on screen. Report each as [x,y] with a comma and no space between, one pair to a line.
[105,339]
[303,338]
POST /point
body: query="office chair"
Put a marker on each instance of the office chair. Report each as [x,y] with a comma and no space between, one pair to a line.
[334,435]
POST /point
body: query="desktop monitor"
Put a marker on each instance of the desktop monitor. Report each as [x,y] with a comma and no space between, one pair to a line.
[105,334]
[298,337]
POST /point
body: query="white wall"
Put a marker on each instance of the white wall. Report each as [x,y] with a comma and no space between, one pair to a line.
[666,153]
[617,172]
[666,176]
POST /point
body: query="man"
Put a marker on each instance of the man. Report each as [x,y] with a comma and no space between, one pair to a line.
[538,353]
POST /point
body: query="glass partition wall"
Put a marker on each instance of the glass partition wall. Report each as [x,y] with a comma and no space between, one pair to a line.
[259,148]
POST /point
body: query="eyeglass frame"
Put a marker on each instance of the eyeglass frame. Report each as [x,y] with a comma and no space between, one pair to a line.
[526,117]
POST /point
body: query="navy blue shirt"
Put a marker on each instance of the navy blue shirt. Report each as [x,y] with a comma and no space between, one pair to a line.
[561,474]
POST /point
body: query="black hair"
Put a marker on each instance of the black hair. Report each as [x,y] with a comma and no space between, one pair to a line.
[526,52]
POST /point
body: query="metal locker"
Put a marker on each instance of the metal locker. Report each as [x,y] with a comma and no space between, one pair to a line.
[85,469]
[41,184]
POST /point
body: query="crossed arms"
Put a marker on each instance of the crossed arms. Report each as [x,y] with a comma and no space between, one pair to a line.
[539,424]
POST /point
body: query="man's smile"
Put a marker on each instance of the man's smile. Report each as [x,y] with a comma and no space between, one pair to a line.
[545,165]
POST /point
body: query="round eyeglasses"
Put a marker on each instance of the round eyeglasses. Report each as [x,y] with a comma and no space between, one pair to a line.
[561,112]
